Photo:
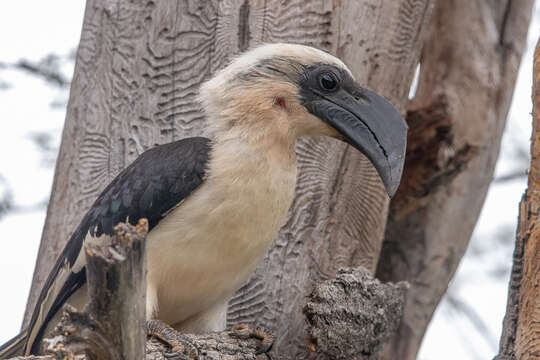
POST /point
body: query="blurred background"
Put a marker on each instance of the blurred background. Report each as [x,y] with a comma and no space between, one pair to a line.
[37,59]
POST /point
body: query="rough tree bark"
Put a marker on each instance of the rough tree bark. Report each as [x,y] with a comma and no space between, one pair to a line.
[138,69]
[468,70]
[111,326]
[520,338]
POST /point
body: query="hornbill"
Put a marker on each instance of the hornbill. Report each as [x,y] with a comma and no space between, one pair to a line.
[214,204]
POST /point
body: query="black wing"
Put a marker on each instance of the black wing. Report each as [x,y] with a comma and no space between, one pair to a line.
[153,184]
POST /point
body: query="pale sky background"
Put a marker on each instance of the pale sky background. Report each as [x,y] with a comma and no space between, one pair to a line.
[54,27]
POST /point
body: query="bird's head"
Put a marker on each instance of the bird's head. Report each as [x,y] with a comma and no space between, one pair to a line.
[295,90]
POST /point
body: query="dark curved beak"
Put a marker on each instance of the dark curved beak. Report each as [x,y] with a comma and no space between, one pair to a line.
[371,124]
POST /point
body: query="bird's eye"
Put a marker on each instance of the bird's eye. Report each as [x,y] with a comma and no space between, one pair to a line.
[328,81]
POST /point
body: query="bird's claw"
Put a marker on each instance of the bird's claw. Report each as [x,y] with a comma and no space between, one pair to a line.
[176,355]
[266,339]
[181,347]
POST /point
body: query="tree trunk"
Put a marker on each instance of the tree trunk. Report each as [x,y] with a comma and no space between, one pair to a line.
[521,329]
[339,213]
[468,70]
[139,66]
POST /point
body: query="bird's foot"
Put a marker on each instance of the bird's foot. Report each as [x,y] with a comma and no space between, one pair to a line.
[249,331]
[181,347]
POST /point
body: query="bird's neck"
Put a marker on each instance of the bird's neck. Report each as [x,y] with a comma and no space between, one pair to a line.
[266,139]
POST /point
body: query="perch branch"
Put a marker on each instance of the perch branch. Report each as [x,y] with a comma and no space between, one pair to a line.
[112,324]
[349,317]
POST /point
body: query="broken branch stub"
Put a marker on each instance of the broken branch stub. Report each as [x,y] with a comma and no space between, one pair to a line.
[111,326]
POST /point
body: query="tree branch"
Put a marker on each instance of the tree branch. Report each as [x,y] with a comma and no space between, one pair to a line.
[112,324]
[468,69]
[350,316]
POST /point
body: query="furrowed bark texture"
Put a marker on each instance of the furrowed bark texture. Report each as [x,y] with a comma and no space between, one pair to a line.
[139,66]
[468,70]
[521,328]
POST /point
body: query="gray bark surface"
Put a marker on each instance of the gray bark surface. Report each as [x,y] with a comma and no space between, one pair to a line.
[139,66]
[468,71]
